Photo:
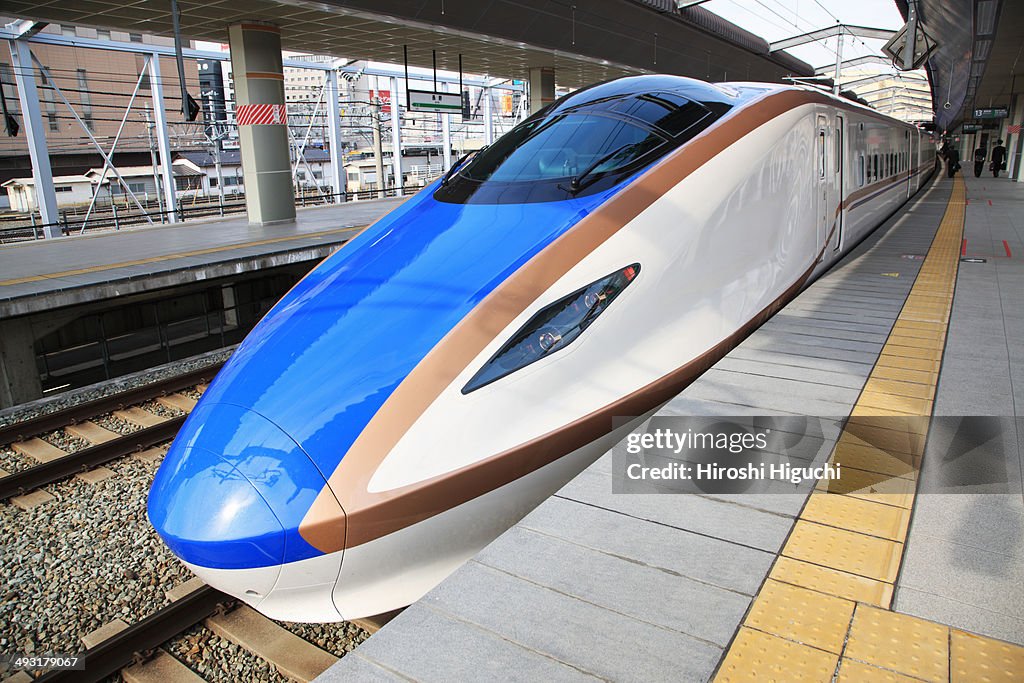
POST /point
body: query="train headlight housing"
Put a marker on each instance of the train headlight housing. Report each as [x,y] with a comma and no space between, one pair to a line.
[554,327]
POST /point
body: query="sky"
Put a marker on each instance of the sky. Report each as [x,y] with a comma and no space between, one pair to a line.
[777,19]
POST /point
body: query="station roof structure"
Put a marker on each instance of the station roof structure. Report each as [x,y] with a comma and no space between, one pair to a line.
[584,42]
[979,54]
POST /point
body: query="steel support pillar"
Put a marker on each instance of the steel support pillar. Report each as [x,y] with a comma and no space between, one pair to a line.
[488,118]
[42,174]
[542,87]
[396,138]
[446,136]
[163,143]
[339,179]
[262,121]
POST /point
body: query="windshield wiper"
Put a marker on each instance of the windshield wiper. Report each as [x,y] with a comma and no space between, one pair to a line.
[457,165]
[576,183]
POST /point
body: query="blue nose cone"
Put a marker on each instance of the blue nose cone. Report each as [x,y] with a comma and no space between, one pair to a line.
[232,491]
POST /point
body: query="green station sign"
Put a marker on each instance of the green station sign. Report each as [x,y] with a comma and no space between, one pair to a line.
[992,113]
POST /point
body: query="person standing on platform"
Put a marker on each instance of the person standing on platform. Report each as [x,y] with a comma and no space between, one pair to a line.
[979,161]
[998,158]
[952,160]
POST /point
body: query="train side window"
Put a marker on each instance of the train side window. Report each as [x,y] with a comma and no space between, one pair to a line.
[821,154]
[860,170]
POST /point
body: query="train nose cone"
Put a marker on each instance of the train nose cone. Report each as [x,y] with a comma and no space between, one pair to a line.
[229,498]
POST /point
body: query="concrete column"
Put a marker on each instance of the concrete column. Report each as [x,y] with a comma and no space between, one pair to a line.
[262,131]
[42,175]
[1015,143]
[334,136]
[163,144]
[20,377]
[396,138]
[542,87]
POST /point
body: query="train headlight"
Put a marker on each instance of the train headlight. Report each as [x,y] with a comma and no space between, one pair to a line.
[554,327]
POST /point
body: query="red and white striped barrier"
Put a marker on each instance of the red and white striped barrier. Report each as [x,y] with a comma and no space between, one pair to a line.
[261,114]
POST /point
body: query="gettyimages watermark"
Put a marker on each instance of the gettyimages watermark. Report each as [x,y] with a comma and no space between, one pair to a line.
[761,454]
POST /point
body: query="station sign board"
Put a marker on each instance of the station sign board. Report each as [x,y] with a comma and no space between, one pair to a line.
[429,100]
[992,113]
[972,127]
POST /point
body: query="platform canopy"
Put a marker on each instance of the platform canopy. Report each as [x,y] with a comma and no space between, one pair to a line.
[979,52]
[585,42]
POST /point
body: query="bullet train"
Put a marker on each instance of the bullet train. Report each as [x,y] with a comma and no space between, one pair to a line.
[460,360]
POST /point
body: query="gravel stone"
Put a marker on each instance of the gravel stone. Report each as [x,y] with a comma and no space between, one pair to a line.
[65,441]
[116,424]
[339,639]
[67,560]
[161,410]
[219,660]
[11,461]
[192,393]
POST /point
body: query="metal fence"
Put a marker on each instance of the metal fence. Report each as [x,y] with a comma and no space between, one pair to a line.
[72,221]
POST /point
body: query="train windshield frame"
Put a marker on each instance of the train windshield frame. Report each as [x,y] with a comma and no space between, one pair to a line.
[567,152]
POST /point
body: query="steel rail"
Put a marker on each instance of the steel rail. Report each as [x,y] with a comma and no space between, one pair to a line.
[137,641]
[74,463]
[83,411]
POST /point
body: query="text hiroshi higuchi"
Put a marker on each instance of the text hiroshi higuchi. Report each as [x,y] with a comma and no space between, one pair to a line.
[714,471]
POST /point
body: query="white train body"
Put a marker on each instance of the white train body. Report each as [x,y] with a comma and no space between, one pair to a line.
[707,241]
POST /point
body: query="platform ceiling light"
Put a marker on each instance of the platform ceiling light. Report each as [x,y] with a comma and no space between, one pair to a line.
[986,12]
[981,49]
[683,4]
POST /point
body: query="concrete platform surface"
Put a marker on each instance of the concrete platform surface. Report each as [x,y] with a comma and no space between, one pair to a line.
[49,273]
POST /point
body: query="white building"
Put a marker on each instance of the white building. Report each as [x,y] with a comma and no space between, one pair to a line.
[70,189]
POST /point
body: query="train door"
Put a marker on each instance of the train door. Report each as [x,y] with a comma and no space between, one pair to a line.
[826,182]
[910,155]
[840,178]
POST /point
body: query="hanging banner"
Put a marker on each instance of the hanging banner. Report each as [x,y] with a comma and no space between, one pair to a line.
[261,114]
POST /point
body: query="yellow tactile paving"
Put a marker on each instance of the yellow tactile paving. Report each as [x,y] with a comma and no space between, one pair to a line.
[975,659]
[875,558]
[896,387]
[870,459]
[905,375]
[801,615]
[903,405]
[852,671]
[905,644]
[832,581]
[856,514]
[901,433]
[915,352]
[846,546]
[757,657]
[859,483]
[894,360]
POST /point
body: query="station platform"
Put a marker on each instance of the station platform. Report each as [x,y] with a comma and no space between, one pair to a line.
[893,573]
[43,275]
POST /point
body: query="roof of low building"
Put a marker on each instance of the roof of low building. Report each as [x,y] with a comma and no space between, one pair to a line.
[56,179]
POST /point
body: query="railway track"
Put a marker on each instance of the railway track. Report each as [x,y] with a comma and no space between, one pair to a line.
[139,652]
[55,464]
[160,645]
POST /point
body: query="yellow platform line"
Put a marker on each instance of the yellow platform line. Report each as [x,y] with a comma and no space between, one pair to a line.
[171,257]
[823,613]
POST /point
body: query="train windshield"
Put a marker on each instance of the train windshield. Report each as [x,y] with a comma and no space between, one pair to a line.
[567,151]
[563,147]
